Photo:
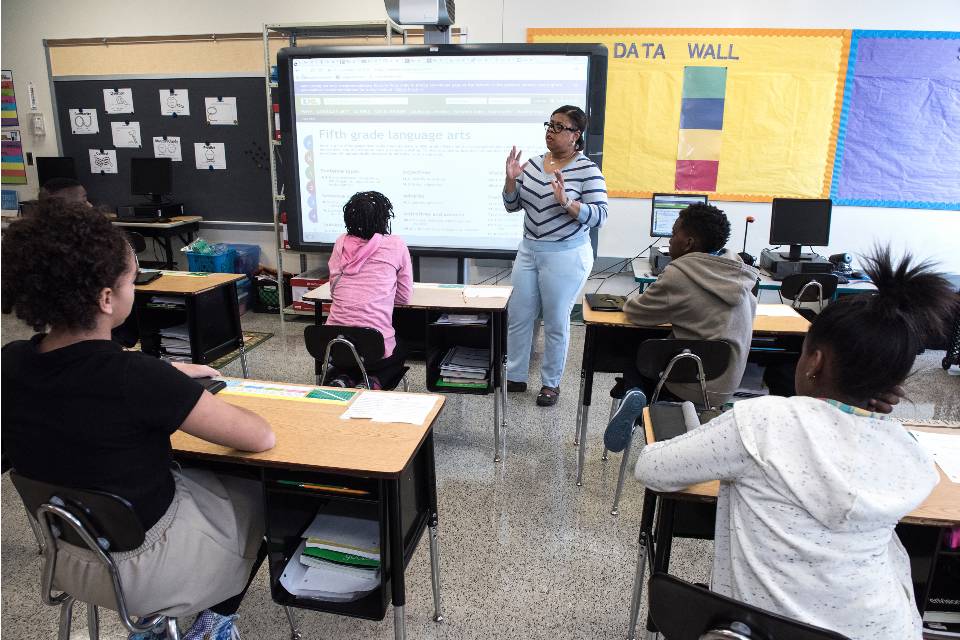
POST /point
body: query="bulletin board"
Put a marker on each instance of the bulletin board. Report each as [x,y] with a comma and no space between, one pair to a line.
[238,193]
[740,114]
[899,139]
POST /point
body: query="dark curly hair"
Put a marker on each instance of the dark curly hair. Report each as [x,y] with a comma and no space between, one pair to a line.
[707,225]
[579,120]
[367,213]
[56,263]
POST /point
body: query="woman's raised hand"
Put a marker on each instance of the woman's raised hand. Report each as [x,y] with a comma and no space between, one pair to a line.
[514,168]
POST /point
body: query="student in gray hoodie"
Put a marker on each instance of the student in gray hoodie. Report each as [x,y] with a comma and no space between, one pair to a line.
[705,293]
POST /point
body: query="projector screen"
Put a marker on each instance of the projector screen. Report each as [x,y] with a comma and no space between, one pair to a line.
[430,127]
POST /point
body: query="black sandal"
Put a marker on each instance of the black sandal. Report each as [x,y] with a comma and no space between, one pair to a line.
[514,387]
[548,396]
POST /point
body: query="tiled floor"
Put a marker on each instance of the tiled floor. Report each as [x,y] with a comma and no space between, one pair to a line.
[525,553]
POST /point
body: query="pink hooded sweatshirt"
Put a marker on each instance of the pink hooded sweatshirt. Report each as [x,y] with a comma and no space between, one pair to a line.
[367,278]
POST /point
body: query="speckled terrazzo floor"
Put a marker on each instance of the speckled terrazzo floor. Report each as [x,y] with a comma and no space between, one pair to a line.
[525,553]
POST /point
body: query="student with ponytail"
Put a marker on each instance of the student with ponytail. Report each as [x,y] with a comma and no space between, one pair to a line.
[811,487]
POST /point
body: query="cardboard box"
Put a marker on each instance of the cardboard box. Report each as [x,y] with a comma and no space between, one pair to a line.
[307,281]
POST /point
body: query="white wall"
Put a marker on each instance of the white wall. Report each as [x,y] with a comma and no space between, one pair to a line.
[25,23]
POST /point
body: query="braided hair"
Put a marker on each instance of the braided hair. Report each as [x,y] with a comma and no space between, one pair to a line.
[367,213]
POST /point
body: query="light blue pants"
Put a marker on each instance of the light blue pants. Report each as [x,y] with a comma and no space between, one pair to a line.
[547,281]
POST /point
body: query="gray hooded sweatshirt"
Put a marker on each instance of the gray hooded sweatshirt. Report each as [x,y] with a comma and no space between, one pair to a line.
[704,297]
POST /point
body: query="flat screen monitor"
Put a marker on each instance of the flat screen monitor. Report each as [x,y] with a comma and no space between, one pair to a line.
[49,168]
[666,208]
[800,221]
[151,177]
[430,127]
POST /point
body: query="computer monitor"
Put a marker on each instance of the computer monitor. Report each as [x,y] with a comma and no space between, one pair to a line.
[49,168]
[151,177]
[667,208]
[800,221]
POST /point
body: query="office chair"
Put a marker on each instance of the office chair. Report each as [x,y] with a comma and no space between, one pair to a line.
[137,241]
[94,520]
[809,287]
[684,611]
[359,348]
[674,360]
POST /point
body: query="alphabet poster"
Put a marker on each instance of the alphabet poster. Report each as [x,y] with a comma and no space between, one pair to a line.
[126,134]
[210,155]
[167,147]
[741,114]
[898,144]
[118,100]
[174,102]
[84,122]
[9,99]
[14,169]
[221,110]
[103,161]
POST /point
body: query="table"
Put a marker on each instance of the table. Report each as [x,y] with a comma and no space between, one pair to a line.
[183,227]
[611,341]
[392,463]
[643,276]
[940,509]
[415,324]
[206,303]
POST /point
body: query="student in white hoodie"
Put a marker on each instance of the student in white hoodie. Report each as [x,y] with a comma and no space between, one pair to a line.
[811,487]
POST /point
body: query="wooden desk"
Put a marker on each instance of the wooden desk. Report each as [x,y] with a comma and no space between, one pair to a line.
[210,310]
[415,325]
[611,342]
[183,227]
[393,463]
[940,509]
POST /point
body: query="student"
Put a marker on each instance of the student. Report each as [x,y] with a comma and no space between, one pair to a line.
[66,189]
[80,411]
[706,294]
[811,487]
[370,271]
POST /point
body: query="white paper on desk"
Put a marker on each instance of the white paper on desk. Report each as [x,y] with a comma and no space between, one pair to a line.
[167,147]
[486,292]
[84,122]
[387,406]
[780,310]
[210,155]
[944,448]
[221,110]
[174,102]
[126,134]
[118,100]
[103,161]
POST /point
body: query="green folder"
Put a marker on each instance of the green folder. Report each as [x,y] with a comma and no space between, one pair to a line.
[338,557]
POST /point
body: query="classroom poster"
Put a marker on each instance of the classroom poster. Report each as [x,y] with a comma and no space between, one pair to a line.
[174,102]
[167,147]
[221,110]
[764,121]
[118,100]
[9,99]
[84,122]
[210,155]
[126,134]
[898,144]
[103,161]
[14,170]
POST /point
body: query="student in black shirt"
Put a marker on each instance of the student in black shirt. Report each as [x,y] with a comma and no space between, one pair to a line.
[82,412]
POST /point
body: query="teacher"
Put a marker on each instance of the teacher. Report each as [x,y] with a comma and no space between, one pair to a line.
[563,195]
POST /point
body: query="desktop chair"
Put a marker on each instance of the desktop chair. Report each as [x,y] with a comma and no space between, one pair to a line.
[674,360]
[359,348]
[137,241]
[93,520]
[809,287]
[684,611]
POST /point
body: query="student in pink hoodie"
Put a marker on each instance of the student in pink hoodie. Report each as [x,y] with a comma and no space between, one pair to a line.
[370,271]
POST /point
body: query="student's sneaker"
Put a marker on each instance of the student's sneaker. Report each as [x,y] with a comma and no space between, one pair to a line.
[374,384]
[342,380]
[213,626]
[618,432]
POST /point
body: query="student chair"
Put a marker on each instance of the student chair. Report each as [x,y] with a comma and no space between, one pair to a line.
[674,360]
[359,347]
[684,611]
[137,241]
[809,287]
[94,520]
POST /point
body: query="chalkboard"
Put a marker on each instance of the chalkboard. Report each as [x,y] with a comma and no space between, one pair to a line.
[240,193]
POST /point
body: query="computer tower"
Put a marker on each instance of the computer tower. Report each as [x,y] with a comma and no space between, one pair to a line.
[779,266]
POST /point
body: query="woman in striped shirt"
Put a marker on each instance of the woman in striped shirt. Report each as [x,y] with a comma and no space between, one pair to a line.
[563,195]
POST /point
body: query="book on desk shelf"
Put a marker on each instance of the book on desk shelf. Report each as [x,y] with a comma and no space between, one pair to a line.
[465,367]
[167,302]
[463,319]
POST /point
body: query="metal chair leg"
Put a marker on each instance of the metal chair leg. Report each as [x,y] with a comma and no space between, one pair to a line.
[93,622]
[435,573]
[173,633]
[406,385]
[66,618]
[637,588]
[624,464]
[294,632]
[243,359]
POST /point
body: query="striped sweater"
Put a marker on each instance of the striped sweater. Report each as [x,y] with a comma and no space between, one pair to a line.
[544,218]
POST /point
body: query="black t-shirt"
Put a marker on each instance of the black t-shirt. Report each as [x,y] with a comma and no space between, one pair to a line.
[93,416]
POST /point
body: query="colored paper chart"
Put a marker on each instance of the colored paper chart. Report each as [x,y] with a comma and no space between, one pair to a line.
[898,144]
[14,170]
[9,100]
[772,133]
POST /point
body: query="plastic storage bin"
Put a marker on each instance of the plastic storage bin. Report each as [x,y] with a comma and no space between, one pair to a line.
[248,258]
[219,263]
[244,295]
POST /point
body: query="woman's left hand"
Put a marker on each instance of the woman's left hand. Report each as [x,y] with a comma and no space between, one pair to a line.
[559,189]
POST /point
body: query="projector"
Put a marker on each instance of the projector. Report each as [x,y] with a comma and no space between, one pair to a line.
[423,12]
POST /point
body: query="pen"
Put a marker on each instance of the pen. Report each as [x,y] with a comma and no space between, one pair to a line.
[324,487]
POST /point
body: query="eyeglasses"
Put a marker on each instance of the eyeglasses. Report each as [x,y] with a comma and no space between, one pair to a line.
[556,127]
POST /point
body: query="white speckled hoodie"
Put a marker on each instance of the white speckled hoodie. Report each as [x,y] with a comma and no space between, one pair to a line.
[810,494]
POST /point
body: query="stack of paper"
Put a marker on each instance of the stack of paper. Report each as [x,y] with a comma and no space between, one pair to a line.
[388,406]
[465,367]
[175,340]
[478,319]
[337,560]
[167,302]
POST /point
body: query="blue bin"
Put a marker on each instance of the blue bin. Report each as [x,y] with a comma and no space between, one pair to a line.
[218,263]
[248,258]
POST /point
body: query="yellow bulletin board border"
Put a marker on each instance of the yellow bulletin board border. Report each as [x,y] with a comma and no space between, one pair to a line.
[535,34]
